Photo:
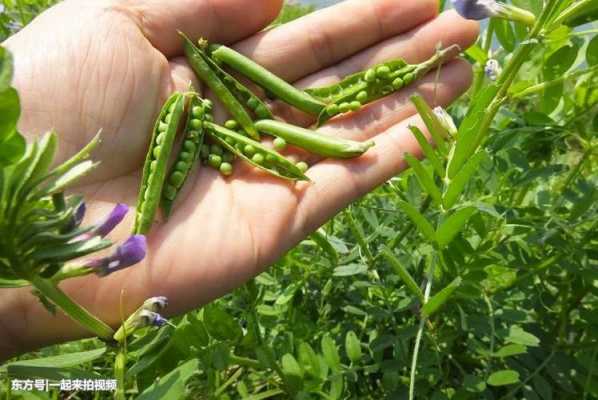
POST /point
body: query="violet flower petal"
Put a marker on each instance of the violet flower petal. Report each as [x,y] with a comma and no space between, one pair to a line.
[117,214]
[476,9]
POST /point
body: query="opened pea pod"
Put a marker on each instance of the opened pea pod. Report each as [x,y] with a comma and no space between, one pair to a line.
[156,161]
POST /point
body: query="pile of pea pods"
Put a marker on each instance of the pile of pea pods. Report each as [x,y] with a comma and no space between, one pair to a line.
[205,142]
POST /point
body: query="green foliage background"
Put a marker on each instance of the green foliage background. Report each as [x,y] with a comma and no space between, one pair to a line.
[334,319]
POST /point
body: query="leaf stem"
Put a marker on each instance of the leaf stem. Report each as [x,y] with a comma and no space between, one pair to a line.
[76,312]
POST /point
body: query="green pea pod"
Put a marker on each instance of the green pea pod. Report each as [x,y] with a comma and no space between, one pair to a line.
[375,83]
[326,146]
[156,162]
[267,80]
[241,93]
[200,64]
[260,156]
[197,112]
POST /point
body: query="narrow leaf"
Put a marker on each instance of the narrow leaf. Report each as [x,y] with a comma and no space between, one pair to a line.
[70,251]
[428,150]
[453,225]
[63,360]
[440,298]
[70,177]
[424,178]
[419,220]
[402,272]
[319,238]
[438,132]
[457,184]
[503,377]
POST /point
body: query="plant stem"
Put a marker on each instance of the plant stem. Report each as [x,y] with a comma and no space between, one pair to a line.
[544,85]
[492,332]
[120,362]
[573,11]
[76,312]
[420,332]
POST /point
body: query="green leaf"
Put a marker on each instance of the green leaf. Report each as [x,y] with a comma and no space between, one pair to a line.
[453,225]
[468,138]
[220,324]
[505,34]
[47,149]
[171,385]
[10,110]
[518,335]
[70,177]
[12,149]
[503,377]
[330,353]
[419,220]
[319,238]
[428,150]
[458,183]
[438,132]
[6,69]
[559,62]
[70,251]
[63,360]
[309,359]
[477,54]
[292,371]
[510,350]
[440,298]
[403,273]
[353,347]
[592,52]
[350,270]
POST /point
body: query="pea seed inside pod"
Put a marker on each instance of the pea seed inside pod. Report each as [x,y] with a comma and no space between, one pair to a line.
[249,150]
[262,112]
[168,118]
[169,191]
[230,141]
[226,169]
[383,72]
[270,158]
[197,112]
[231,124]
[408,78]
[302,165]
[189,146]
[280,144]
[344,107]
[362,96]
[370,75]
[160,138]
[215,161]
[216,150]
[332,109]
[252,103]
[195,124]
[177,179]
[398,83]
[162,127]
[181,166]
[157,151]
[355,105]
[258,158]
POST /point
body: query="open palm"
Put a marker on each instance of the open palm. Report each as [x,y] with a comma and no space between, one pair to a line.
[89,65]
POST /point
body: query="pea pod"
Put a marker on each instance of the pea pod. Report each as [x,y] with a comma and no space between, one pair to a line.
[255,153]
[198,111]
[267,80]
[370,85]
[154,170]
[200,64]
[242,94]
[327,146]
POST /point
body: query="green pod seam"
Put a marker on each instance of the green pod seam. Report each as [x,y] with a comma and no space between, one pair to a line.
[198,60]
[245,96]
[156,162]
[269,160]
[323,145]
[267,80]
[189,152]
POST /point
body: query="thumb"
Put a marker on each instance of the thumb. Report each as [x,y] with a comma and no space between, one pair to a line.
[223,21]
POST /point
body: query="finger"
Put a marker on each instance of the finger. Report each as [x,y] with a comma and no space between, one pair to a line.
[183,77]
[414,46]
[334,33]
[453,80]
[222,21]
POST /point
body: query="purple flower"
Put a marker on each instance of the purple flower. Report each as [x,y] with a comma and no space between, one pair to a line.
[77,217]
[151,318]
[482,9]
[492,69]
[117,214]
[476,9]
[129,253]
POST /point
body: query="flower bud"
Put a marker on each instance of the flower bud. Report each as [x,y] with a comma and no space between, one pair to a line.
[492,69]
[129,253]
[482,9]
[155,304]
[446,120]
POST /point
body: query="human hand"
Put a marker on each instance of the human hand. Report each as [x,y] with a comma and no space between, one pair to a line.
[82,66]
